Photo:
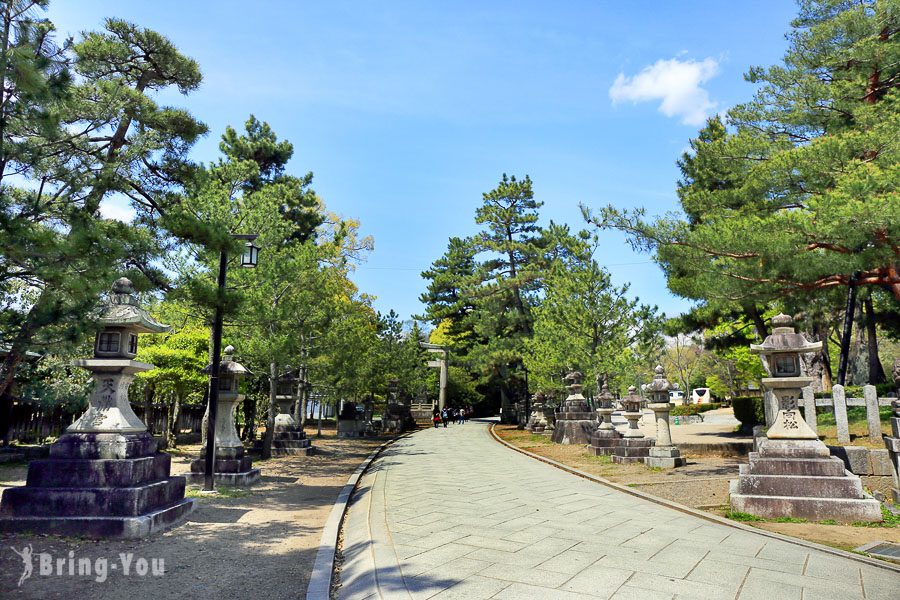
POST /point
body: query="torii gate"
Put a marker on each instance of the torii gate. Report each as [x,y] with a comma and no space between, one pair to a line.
[441,364]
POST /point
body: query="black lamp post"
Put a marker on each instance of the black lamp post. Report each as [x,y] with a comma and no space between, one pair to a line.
[248,260]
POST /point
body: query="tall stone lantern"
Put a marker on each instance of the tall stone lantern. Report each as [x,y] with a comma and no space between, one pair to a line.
[285,396]
[104,477]
[288,438]
[575,422]
[663,454]
[605,439]
[633,446]
[232,466]
[793,474]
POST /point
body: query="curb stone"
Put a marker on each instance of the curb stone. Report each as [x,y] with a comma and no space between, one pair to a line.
[872,562]
[320,579]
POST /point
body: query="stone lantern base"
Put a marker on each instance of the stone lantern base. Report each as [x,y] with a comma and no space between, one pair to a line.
[605,439]
[800,479]
[232,466]
[632,450]
[98,485]
[665,457]
[574,428]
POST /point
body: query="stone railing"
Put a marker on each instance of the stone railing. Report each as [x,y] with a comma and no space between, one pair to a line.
[839,402]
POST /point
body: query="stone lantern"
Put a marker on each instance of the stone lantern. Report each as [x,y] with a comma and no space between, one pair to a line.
[605,439]
[793,473]
[575,421]
[663,454]
[893,441]
[537,422]
[782,351]
[633,446]
[285,396]
[288,439]
[104,477]
[232,466]
[397,416]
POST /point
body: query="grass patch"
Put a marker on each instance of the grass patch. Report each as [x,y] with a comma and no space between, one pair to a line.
[890,520]
[742,516]
[858,426]
[828,522]
[223,492]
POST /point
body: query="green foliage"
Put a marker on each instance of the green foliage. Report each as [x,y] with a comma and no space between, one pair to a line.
[82,124]
[749,411]
[694,409]
[585,322]
[741,516]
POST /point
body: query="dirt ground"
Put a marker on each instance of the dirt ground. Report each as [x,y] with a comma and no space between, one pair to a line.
[702,484]
[260,542]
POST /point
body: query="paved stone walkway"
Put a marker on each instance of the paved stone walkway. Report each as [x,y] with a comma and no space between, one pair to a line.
[450,513]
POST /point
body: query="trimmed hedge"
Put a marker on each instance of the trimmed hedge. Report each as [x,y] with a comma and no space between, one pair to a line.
[693,409]
[749,411]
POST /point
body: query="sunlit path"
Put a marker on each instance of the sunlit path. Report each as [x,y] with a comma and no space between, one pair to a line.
[450,513]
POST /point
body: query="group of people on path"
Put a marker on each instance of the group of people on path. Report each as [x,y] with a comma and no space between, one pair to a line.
[450,415]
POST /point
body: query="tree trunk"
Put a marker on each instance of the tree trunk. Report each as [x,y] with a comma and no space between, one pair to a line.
[173,423]
[149,393]
[248,434]
[876,370]
[270,418]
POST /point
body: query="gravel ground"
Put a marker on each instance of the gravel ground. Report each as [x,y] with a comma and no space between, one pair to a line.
[254,543]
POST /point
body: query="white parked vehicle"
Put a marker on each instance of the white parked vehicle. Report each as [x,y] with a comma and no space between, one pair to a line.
[700,396]
[676,397]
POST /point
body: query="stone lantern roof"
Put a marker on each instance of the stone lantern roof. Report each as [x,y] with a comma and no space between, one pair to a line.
[605,397]
[659,383]
[228,366]
[784,339]
[289,376]
[122,310]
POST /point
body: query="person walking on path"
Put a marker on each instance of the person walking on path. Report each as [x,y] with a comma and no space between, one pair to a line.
[436,418]
[444,417]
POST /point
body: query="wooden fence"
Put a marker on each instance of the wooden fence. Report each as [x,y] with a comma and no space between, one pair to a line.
[838,403]
[33,423]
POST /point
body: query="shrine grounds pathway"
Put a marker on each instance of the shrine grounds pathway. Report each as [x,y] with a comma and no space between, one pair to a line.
[450,513]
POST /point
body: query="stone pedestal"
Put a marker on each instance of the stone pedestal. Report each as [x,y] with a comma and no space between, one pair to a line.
[800,479]
[289,438]
[893,444]
[605,439]
[351,428]
[663,454]
[232,466]
[537,422]
[397,418]
[633,447]
[575,422]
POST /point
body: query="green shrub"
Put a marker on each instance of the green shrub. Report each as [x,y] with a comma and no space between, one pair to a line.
[693,409]
[749,411]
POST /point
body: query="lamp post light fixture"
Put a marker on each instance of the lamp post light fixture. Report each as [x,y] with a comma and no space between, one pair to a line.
[248,259]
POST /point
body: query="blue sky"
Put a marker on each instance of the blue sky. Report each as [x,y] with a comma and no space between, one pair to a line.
[407,112]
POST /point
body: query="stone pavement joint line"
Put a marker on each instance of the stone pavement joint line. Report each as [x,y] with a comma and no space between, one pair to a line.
[450,513]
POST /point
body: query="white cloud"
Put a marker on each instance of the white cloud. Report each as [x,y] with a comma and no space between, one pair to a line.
[117,208]
[676,82]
